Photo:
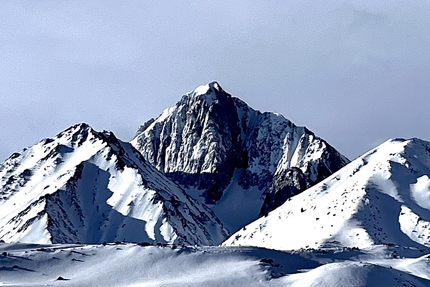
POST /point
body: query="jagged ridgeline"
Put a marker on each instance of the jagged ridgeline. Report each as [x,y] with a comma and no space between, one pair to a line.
[200,171]
[241,162]
[88,186]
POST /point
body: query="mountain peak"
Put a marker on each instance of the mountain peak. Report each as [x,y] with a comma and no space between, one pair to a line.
[207,88]
[216,144]
[379,198]
[75,130]
[79,127]
[210,93]
[88,186]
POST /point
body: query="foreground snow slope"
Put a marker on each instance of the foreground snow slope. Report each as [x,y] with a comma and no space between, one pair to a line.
[381,197]
[134,265]
[88,186]
[239,161]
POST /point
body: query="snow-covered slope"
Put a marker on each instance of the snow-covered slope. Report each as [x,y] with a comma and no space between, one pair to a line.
[90,187]
[134,265]
[240,161]
[382,197]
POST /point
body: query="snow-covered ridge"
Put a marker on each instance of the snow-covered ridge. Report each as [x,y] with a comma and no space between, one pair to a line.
[90,187]
[314,220]
[216,147]
[379,198]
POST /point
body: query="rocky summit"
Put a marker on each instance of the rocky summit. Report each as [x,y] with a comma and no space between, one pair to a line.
[241,162]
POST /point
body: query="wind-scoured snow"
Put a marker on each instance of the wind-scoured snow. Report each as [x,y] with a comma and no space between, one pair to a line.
[214,145]
[171,265]
[90,187]
[379,198]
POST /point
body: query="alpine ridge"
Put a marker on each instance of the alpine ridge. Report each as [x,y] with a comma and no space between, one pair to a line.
[241,162]
[381,197]
[214,193]
[88,186]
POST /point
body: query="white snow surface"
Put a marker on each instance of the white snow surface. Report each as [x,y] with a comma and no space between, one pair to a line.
[134,265]
[88,186]
[379,198]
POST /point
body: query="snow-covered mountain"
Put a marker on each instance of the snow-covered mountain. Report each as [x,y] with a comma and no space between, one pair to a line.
[239,161]
[306,217]
[88,186]
[382,197]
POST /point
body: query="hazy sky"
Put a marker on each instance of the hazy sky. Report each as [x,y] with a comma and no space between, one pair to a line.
[354,72]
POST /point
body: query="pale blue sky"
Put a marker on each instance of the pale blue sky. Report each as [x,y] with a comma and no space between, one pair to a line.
[354,72]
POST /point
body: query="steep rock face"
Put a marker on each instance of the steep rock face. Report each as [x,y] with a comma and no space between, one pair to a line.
[192,144]
[381,197]
[90,187]
[217,147]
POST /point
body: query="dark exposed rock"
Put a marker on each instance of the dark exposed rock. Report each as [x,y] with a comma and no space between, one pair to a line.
[209,135]
[290,182]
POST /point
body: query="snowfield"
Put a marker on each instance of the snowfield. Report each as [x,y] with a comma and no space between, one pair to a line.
[134,265]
